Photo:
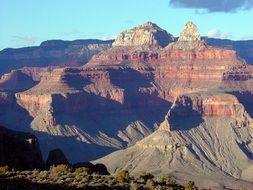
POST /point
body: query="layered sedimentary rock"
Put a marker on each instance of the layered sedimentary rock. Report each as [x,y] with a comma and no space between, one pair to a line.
[243,48]
[208,134]
[188,65]
[213,152]
[93,106]
[16,81]
[123,93]
[210,104]
[19,150]
[148,34]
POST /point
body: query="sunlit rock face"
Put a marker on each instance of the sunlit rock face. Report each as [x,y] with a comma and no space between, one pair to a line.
[190,33]
[148,34]
[208,104]
[123,93]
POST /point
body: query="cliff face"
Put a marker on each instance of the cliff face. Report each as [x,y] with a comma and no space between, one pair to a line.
[123,93]
[217,105]
[16,81]
[188,65]
[19,150]
[207,104]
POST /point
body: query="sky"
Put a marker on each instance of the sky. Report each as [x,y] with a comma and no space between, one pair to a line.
[29,22]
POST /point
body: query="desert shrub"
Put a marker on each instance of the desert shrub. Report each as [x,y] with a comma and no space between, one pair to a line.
[165,178]
[83,170]
[122,176]
[190,185]
[134,185]
[35,171]
[4,170]
[150,184]
[59,169]
[144,176]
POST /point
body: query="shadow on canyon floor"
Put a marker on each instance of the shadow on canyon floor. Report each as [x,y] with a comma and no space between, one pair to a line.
[74,150]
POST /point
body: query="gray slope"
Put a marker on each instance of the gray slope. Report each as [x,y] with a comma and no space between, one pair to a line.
[214,154]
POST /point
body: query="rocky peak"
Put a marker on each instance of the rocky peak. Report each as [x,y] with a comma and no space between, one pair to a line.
[190,33]
[148,34]
[147,24]
[189,39]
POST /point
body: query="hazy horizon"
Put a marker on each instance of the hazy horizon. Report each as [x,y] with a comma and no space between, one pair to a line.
[28,23]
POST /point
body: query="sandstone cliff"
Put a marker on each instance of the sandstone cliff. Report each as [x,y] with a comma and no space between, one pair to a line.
[123,93]
[208,134]
[207,104]
[215,154]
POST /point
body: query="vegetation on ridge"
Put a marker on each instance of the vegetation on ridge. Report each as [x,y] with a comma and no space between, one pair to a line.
[64,177]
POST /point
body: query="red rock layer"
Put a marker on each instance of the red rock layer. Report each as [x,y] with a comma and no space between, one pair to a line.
[160,55]
[222,105]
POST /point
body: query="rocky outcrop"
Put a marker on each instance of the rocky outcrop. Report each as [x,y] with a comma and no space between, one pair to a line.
[16,81]
[19,150]
[189,39]
[188,65]
[176,54]
[56,157]
[34,104]
[190,33]
[207,133]
[148,34]
[208,104]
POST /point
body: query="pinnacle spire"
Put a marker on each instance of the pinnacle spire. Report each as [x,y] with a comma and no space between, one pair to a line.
[190,33]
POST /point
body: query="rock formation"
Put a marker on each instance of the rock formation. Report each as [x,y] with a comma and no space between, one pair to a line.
[209,135]
[19,150]
[207,104]
[189,39]
[124,92]
[56,157]
[190,33]
[148,34]
[16,81]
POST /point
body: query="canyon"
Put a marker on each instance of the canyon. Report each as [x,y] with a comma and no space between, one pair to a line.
[179,101]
